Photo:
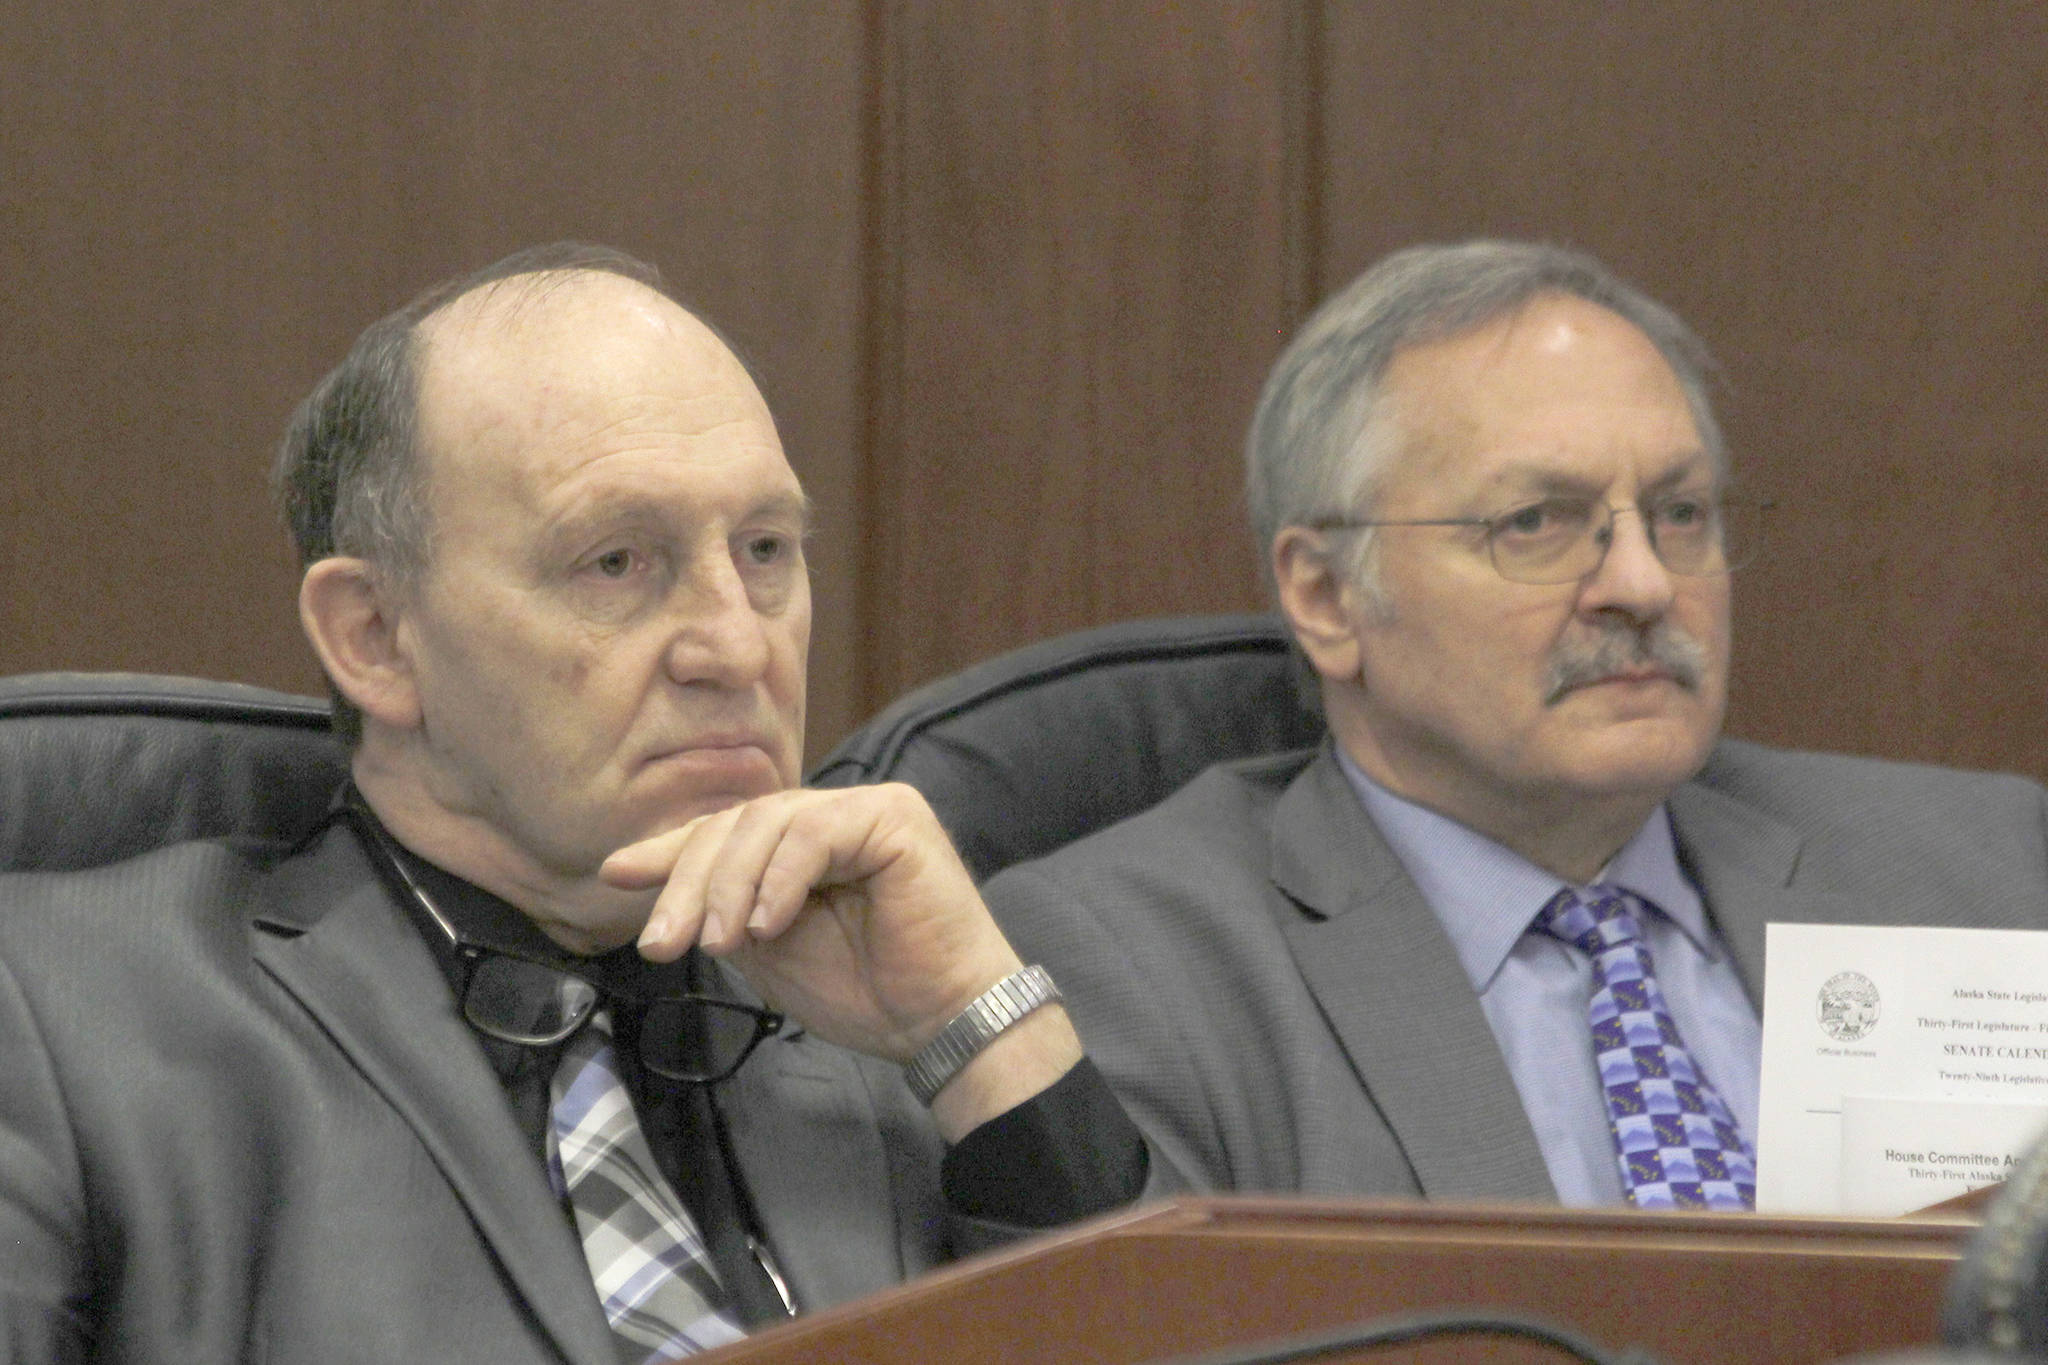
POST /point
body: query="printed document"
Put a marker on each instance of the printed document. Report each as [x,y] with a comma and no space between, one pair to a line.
[1902,1066]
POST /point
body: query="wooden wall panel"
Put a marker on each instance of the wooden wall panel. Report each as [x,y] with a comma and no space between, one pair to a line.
[1849,203]
[1088,208]
[203,205]
[1014,274]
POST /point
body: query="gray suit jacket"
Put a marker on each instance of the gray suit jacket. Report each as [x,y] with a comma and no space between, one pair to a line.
[1279,1008]
[241,1119]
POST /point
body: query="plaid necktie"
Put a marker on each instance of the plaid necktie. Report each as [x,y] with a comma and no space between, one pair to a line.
[646,1257]
[1677,1142]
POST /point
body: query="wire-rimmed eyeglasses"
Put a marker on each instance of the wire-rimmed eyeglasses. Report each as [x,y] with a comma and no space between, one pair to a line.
[1563,539]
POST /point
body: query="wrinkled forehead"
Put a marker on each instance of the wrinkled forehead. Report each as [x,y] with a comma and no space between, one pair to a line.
[525,377]
[1560,384]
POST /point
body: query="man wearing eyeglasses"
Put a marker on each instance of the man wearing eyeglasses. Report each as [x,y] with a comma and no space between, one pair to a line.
[1501,936]
[577,1033]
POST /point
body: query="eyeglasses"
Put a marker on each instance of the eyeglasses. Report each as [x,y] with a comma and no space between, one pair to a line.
[684,1035]
[533,998]
[1561,539]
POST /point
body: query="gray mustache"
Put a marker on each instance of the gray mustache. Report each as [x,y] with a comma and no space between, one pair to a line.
[1618,649]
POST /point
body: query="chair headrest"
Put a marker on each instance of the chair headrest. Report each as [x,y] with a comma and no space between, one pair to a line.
[1037,747]
[98,767]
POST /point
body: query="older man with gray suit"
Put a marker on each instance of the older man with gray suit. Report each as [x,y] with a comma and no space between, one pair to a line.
[1501,935]
[577,1032]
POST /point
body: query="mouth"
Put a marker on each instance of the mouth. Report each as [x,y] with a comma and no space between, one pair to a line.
[1633,676]
[1628,679]
[725,761]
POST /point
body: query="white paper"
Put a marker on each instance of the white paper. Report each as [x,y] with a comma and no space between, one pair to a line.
[1899,1155]
[1890,1013]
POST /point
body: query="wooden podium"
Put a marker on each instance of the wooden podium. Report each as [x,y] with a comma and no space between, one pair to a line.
[1199,1274]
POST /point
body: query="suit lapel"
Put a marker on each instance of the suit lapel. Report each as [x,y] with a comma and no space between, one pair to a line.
[355,963]
[1746,864]
[805,1137]
[1387,979]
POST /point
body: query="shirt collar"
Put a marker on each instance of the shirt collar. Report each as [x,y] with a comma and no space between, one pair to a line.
[1485,894]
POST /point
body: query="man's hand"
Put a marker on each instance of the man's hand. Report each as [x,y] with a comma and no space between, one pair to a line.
[848,910]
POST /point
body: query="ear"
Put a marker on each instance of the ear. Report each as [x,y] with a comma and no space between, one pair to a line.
[1319,601]
[352,618]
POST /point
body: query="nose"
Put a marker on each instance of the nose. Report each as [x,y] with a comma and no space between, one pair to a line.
[719,637]
[1631,580]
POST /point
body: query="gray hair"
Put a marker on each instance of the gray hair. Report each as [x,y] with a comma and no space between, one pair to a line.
[1322,438]
[348,475]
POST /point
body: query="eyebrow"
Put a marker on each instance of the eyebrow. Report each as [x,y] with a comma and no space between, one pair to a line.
[609,510]
[1530,479]
[795,506]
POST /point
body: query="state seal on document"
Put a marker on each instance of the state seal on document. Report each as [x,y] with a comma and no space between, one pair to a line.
[1848,1006]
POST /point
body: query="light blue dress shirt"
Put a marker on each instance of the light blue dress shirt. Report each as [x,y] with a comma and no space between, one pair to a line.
[1534,988]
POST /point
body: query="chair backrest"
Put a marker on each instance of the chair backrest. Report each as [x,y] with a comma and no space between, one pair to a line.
[1018,755]
[1042,745]
[97,767]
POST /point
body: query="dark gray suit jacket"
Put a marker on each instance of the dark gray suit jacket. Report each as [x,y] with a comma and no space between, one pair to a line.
[240,1119]
[1279,1008]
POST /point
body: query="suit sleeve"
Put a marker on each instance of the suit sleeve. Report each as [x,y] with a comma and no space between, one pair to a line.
[43,1261]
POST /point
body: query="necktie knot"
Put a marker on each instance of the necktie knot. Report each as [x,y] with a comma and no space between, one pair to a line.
[1595,921]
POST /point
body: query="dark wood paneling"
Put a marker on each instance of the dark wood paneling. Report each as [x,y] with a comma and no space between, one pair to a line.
[1849,202]
[1014,274]
[204,204]
[1087,202]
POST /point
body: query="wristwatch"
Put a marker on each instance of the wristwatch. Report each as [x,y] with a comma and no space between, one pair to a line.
[974,1028]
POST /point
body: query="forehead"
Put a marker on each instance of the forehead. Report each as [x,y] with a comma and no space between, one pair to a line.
[552,382]
[1560,389]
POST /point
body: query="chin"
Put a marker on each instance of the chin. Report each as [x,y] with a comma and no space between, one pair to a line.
[659,812]
[1646,763]
[611,920]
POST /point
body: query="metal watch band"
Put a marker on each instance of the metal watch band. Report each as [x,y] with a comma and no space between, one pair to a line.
[975,1027]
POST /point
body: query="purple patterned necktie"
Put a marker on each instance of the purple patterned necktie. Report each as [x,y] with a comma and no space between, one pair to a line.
[1677,1142]
[646,1258]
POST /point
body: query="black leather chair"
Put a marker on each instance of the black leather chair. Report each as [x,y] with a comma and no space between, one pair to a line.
[97,767]
[1042,745]
[1018,755]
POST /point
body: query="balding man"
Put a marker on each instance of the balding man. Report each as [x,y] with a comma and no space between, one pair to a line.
[576,1033]
[1501,936]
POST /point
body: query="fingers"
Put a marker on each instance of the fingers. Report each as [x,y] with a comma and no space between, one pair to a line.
[745,873]
[847,908]
[637,867]
[762,873]
[677,862]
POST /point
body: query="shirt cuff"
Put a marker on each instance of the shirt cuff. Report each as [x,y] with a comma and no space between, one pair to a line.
[1066,1153]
